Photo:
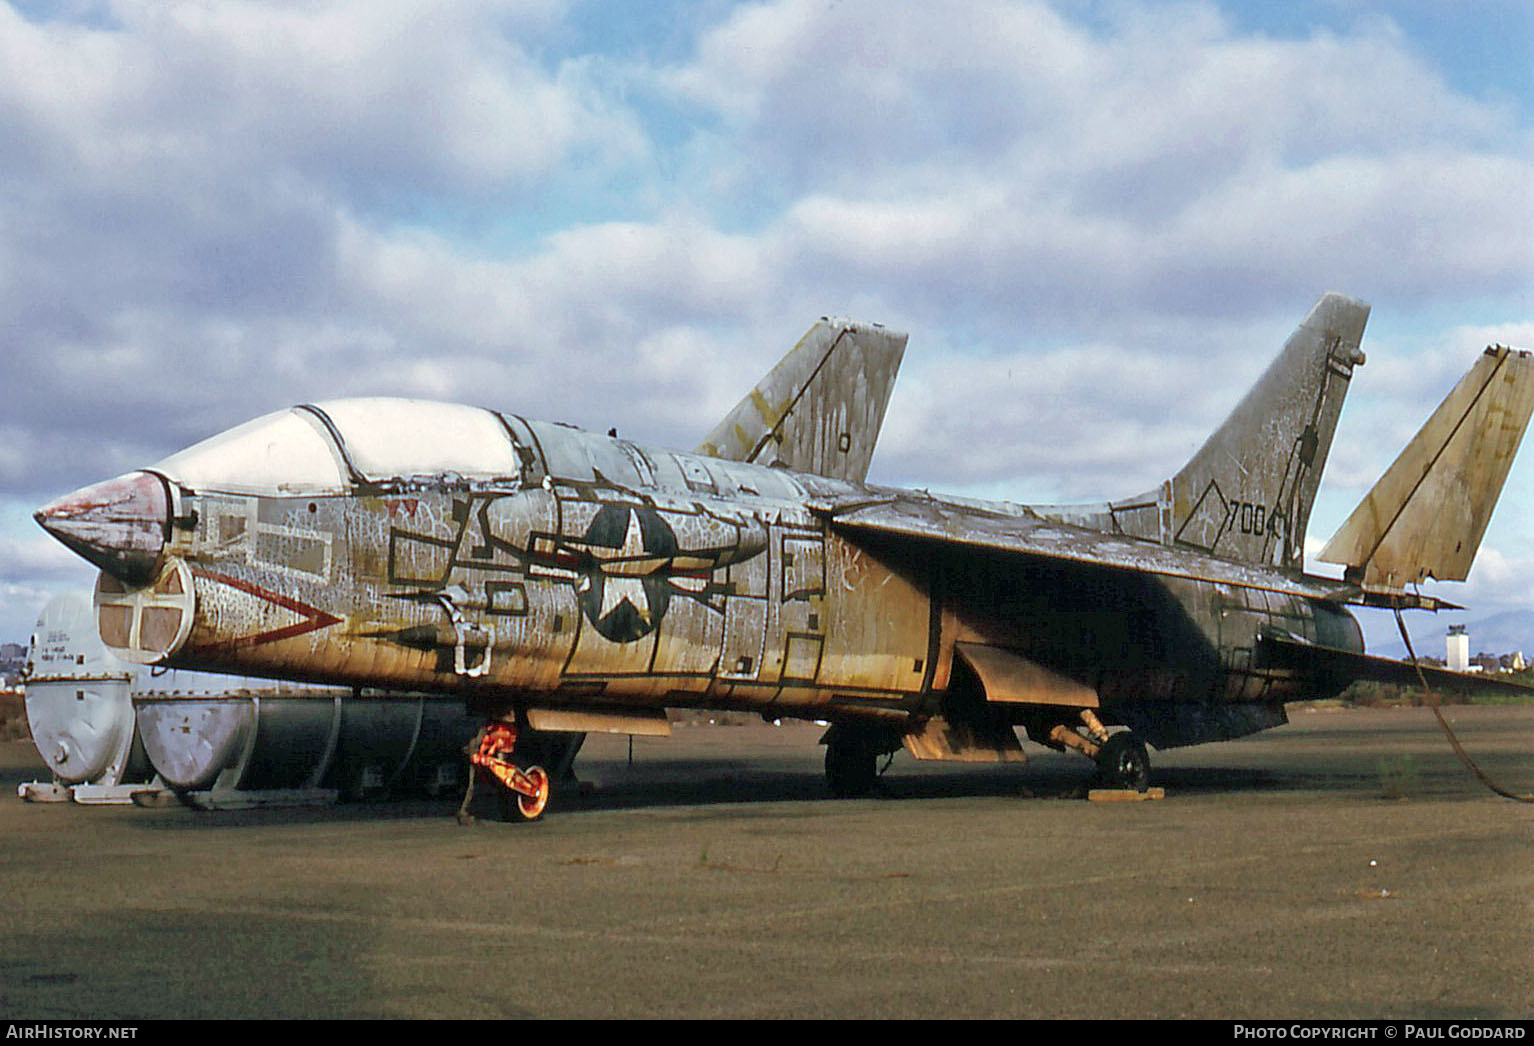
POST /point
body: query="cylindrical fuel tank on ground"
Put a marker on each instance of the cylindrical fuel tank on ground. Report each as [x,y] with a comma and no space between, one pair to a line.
[249,743]
[406,744]
[79,700]
[363,746]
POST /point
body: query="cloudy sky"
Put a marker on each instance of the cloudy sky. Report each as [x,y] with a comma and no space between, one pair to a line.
[1097,220]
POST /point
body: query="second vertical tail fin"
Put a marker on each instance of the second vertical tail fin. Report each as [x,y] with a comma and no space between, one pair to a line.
[820,409]
[1426,515]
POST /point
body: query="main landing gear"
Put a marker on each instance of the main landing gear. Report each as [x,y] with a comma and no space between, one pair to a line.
[1124,762]
[852,758]
[1122,759]
[528,785]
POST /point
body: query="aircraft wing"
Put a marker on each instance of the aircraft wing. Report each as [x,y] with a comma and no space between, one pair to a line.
[1018,530]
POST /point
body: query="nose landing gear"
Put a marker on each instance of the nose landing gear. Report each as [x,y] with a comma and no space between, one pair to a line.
[530,785]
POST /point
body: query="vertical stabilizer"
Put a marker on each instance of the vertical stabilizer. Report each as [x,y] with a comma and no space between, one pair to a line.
[1426,515]
[1247,494]
[820,409]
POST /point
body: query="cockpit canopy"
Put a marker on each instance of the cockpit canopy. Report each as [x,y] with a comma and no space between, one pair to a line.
[336,446]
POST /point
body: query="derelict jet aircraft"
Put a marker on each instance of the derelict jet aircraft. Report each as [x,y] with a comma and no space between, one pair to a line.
[565,582]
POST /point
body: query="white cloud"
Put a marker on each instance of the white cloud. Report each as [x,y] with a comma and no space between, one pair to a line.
[382,98]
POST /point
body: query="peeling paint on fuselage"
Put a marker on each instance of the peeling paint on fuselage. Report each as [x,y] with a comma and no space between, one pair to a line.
[612,574]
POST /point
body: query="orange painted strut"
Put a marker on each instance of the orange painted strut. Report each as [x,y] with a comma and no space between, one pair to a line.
[496,745]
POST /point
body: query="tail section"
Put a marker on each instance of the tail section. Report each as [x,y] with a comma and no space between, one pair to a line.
[1247,494]
[820,409]
[1426,515]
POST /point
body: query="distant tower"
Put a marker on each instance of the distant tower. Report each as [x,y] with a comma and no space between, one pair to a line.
[1458,652]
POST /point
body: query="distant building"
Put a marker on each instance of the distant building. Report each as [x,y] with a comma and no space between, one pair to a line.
[13,658]
[1458,649]
[1457,646]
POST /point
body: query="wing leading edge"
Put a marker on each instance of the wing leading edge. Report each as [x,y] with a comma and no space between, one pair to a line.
[1017,529]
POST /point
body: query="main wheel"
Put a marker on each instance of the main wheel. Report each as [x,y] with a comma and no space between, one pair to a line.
[530,807]
[851,768]
[1123,762]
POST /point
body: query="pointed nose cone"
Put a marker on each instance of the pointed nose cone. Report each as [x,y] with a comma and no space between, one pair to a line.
[120,525]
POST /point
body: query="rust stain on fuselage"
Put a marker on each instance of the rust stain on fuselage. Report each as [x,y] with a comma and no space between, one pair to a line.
[650,587]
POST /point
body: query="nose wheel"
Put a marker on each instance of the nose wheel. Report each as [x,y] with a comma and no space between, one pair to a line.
[529,785]
[532,792]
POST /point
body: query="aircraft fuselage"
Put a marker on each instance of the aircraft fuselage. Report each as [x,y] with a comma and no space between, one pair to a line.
[603,574]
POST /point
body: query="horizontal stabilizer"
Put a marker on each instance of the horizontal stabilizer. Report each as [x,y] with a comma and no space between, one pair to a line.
[820,409]
[1426,515]
[1279,651]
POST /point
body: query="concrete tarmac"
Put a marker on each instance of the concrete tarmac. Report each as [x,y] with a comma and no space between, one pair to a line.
[1344,866]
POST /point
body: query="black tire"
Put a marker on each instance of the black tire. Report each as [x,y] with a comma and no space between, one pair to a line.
[1123,762]
[852,767]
